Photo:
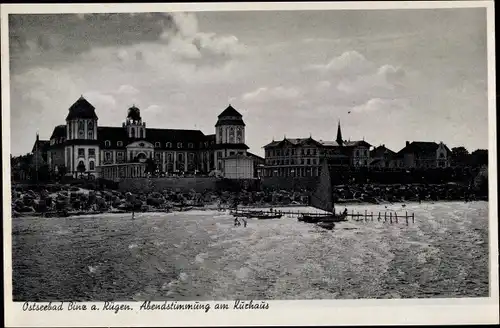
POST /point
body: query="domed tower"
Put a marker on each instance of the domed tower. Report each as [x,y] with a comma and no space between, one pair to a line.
[82,147]
[229,135]
[136,129]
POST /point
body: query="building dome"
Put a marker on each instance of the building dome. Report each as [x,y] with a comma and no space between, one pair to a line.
[134,113]
[230,116]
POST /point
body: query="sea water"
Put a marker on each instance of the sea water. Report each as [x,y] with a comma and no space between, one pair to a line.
[201,255]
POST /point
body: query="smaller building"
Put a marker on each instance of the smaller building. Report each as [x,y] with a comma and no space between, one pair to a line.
[238,166]
[423,154]
[258,164]
[39,151]
[382,157]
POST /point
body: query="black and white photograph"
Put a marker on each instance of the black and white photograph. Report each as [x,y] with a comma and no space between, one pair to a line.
[170,159]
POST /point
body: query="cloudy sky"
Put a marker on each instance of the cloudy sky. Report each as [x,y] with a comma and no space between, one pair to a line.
[388,75]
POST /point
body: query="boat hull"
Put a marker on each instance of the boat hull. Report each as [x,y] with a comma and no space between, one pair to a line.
[268,217]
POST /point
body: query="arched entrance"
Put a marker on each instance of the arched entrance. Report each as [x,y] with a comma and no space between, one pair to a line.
[141,157]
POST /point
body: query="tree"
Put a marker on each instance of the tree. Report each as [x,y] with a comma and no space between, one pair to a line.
[459,156]
[479,157]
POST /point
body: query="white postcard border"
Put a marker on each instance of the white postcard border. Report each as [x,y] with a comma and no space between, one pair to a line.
[316,312]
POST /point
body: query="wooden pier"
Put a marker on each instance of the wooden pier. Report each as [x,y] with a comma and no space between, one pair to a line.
[386,216]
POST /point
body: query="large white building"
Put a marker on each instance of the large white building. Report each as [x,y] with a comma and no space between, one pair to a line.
[81,145]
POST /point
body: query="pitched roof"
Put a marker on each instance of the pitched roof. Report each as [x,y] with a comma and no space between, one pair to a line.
[229,111]
[42,145]
[422,147]
[292,141]
[81,109]
[59,132]
[255,156]
[381,151]
[113,134]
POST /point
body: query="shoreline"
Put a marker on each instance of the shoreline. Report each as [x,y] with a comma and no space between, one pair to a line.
[212,208]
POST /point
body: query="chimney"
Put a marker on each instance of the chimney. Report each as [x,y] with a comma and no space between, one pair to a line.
[407,143]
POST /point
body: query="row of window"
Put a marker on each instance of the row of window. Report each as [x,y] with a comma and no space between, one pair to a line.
[81,152]
[57,140]
[313,151]
[107,143]
[308,161]
[289,152]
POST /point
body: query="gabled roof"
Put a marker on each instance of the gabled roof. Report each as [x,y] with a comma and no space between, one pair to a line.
[292,142]
[59,132]
[41,145]
[422,147]
[229,111]
[381,151]
[81,109]
[356,143]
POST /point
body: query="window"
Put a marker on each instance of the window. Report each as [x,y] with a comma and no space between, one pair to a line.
[108,155]
[81,152]
[91,152]
[107,143]
[132,132]
[90,125]
[169,145]
[308,152]
[357,152]
[180,157]
[157,144]
[293,152]
[190,145]
[90,135]
[314,161]
[179,145]
[119,143]
[308,161]
[314,151]
[191,157]
[91,166]
[302,161]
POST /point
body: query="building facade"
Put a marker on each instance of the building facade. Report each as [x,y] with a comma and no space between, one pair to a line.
[81,145]
[422,154]
[300,157]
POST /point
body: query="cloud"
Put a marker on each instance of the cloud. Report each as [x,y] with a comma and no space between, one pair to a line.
[379,104]
[349,62]
[153,109]
[265,94]
[127,89]
[102,102]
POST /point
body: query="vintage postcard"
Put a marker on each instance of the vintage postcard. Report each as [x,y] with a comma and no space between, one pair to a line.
[249,164]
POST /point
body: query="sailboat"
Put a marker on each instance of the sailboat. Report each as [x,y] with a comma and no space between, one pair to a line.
[323,199]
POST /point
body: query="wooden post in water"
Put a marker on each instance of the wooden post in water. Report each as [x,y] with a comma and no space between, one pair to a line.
[390,217]
[396,216]
[406,217]
[365,214]
[413,217]
[379,216]
[372,216]
[385,216]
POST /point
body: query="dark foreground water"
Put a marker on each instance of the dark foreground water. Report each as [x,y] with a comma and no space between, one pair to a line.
[202,256]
